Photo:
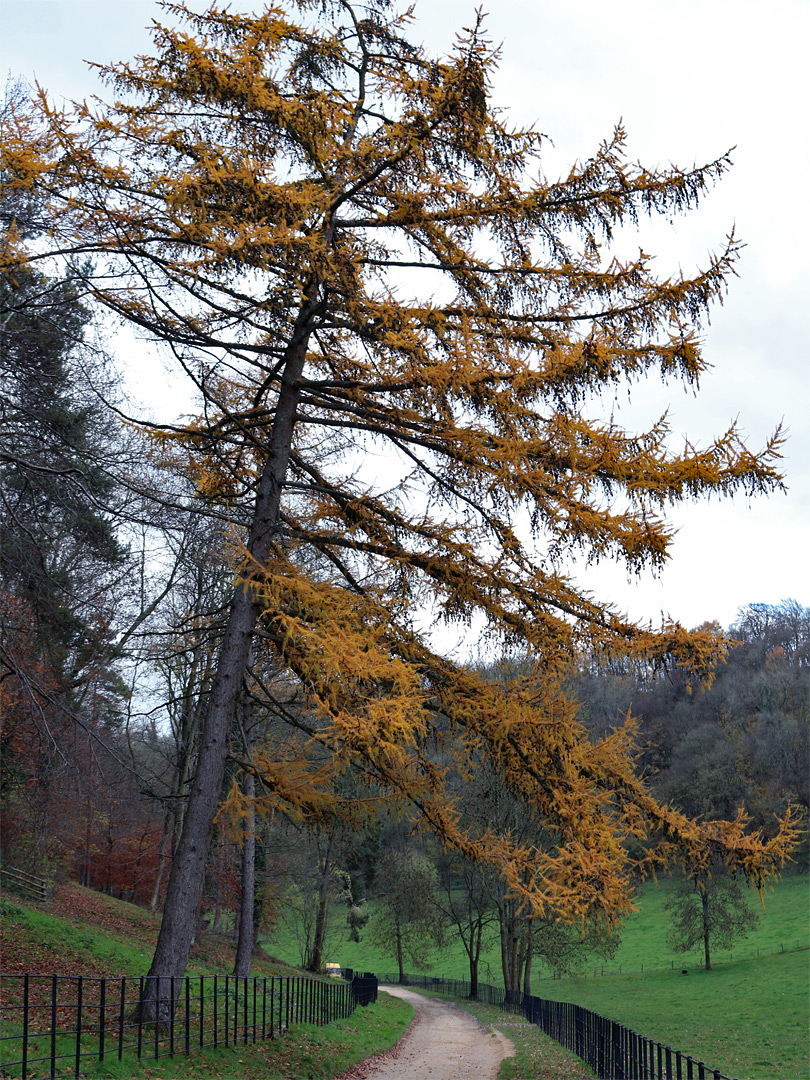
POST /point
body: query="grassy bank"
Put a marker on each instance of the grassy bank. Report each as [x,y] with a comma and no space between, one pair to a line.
[91,934]
[305,1052]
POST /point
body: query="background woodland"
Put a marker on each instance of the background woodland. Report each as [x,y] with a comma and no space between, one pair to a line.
[217,690]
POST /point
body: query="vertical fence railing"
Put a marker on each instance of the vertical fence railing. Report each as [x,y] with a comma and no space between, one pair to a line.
[53,1025]
[613,1051]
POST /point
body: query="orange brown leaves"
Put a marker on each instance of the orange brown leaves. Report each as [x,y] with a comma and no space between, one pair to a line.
[398,328]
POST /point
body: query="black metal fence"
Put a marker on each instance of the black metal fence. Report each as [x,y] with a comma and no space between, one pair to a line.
[51,1024]
[613,1051]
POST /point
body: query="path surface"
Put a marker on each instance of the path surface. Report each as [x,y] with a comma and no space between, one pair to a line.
[442,1043]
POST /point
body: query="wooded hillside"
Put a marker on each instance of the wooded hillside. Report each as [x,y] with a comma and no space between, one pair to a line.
[215,632]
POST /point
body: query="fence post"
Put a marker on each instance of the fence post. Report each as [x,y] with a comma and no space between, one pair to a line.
[157,1016]
[216,1009]
[25,1029]
[188,1015]
[140,1017]
[172,1007]
[102,1004]
[617,1072]
[53,1023]
[79,989]
[121,1011]
[227,1023]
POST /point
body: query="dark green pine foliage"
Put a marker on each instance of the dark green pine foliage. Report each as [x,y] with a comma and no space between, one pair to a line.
[59,552]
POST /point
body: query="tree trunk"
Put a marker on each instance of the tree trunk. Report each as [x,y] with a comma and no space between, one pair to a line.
[155,900]
[400,961]
[704,902]
[474,956]
[509,948]
[244,941]
[527,971]
[316,958]
[244,946]
[188,866]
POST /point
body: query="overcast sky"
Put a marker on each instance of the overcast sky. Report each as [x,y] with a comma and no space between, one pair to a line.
[689,80]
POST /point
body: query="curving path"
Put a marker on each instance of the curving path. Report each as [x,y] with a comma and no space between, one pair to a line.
[442,1043]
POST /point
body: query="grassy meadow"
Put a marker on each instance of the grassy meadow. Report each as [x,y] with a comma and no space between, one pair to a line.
[783,925]
[748,1017]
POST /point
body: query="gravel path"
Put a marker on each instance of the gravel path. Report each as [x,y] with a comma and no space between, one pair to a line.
[442,1043]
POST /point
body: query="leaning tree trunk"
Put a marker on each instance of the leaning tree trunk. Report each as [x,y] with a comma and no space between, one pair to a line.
[188,866]
[244,946]
[244,942]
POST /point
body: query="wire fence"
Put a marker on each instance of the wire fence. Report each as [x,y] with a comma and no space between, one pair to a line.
[613,1051]
[52,1025]
[695,956]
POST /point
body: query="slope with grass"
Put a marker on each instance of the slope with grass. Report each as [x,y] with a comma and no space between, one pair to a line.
[87,933]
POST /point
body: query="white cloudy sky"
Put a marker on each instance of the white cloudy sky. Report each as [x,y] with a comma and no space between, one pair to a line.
[689,80]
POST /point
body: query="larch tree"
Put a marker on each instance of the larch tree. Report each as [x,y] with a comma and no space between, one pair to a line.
[394,323]
[708,909]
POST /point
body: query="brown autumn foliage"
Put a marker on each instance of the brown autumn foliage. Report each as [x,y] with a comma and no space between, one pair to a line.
[396,325]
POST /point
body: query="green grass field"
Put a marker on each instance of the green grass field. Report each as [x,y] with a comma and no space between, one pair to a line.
[748,1017]
[783,925]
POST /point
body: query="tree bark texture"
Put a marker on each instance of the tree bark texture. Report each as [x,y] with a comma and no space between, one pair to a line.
[188,866]
[704,902]
[400,960]
[244,946]
[244,941]
[316,958]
